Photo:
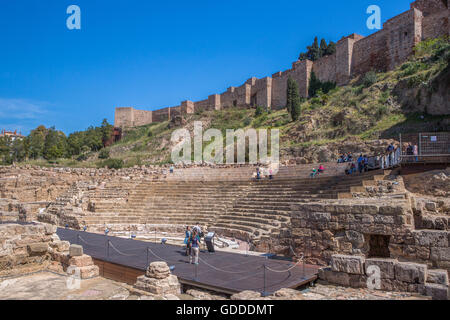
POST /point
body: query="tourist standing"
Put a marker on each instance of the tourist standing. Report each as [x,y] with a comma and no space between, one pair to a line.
[416,152]
[360,163]
[186,241]
[195,243]
[321,169]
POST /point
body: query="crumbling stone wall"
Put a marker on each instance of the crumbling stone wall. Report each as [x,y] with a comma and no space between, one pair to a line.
[320,230]
[28,248]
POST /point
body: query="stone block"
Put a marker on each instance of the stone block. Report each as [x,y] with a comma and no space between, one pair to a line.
[431,238]
[338,278]
[440,254]
[246,295]
[437,291]
[89,272]
[438,277]
[50,229]
[347,264]
[387,267]
[37,249]
[411,272]
[75,250]
[81,261]
[169,285]
[158,270]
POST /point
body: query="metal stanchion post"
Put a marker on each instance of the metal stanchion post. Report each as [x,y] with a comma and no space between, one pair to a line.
[304,274]
[264,285]
[196,272]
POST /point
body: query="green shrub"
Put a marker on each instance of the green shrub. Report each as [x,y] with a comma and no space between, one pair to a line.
[150,134]
[112,163]
[82,157]
[103,154]
[369,79]
[412,67]
[259,111]
[247,121]
[381,111]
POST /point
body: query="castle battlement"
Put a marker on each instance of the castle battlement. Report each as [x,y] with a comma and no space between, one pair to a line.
[355,55]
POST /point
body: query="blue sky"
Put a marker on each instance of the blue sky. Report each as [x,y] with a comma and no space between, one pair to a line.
[152,54]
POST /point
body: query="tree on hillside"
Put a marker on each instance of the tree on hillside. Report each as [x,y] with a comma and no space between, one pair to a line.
[55,145]
[35,141]
[315,51]
[314,85]
[293,99]
[106,130]
[331,49]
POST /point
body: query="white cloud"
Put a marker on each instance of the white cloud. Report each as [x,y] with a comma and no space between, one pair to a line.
[21,109]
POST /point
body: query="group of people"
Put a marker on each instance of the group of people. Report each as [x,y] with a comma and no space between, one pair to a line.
[345,158]
[361,165]
[259,174]
[315,172]
[192,241]
[412,150]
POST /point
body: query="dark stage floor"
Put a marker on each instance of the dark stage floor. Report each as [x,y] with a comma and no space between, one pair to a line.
[222,271]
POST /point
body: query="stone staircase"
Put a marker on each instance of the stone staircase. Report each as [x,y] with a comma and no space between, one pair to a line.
[245,208]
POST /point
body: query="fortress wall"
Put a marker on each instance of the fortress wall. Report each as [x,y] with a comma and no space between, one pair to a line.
[325,68]
[369,54]
[403,33]
[279,88]
[436,25]
[124,117]
[227,98]
[243,95]
[301,72]
[175,111]
[202,105]
[187,107]
[214,102]
[355,55]
[429,7]
[141,117]
[161,115]
[263,91]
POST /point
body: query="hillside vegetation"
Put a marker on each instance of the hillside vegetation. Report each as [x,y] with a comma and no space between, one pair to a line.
[411,98]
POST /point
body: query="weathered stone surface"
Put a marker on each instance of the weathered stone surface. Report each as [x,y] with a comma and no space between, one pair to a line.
[158,270]
[339,278]
[438,277]
[387,266]
[203,295]
[35,249]
[81,261]
[288,294]
[440,254]
[75,250]
[431,238]
[88,272]
[246,295]
[169,285]
[347,264]
[411,272]
[437,291]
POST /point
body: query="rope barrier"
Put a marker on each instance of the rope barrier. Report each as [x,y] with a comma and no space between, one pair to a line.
[120,252]
[283,271]
[150,250]
[89,244]
[225,271]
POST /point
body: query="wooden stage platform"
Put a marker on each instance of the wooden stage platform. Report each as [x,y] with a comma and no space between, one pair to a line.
[126,259]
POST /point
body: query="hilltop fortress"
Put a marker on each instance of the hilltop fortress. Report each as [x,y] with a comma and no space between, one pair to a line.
[355,55]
